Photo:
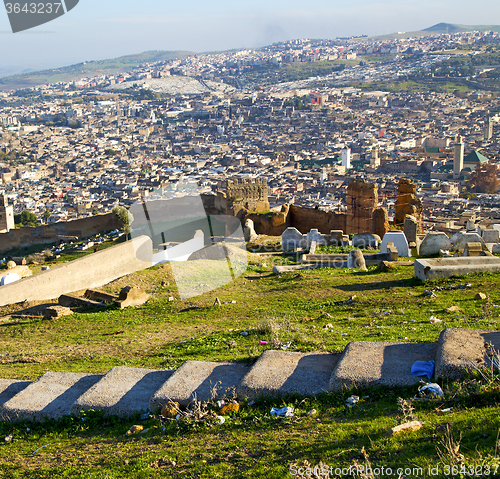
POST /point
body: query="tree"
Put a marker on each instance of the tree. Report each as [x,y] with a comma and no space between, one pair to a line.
[124,216]
[484,179]
[95,212]
[46,215]
[26,218]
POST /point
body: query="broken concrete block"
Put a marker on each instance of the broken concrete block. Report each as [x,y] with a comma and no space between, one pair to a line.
[131,296]
[68,301]
[54,312]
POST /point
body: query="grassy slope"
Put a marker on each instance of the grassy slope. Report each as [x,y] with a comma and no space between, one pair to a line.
[93,68]
[162,334]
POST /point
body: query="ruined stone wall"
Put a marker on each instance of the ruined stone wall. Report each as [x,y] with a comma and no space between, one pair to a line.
[380,222]
[248,194]
[362,199]
[407,202]
[47,234]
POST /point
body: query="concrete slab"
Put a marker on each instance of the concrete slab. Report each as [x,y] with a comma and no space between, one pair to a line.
[8,389]
[50,396]
[285,372]
[196,379]
[461,350]
[365,363]
[448,267]
[123,391]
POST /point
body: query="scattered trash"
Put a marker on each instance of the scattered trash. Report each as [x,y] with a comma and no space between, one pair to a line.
[430,293]
[283,412]
[9,438]
[312,412]
[262,343]
[444,253]
[221,403]
[480,296]
[423,368]
[46,445]
[403,337]
[448,409]
[232,406]
[171,298]
[286,346]
[385,313]
[434,320]
[406,427]
[145,416]
[350,402]
[244,333]
[170,410]
[217,302]
[452,288]
[233,302]
[431,390]
[145,430]
[221,419]
[328,326]
[134,430]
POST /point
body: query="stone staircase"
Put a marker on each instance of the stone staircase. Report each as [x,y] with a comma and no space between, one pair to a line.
[124,391]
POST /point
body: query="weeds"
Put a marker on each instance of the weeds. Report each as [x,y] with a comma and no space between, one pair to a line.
[449,454]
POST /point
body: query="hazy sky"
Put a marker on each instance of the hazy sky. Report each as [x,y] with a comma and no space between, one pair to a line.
[98,29]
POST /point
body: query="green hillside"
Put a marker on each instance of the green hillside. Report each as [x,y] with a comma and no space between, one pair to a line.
[93,68]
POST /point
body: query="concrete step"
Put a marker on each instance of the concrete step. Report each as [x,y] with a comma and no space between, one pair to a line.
[8,389]
[122,391]
[285,372]
[197,379]
[366,363]
[461,350]
[50,396]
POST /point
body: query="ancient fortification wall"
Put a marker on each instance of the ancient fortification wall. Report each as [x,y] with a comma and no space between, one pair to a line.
[91,271]
[83,228]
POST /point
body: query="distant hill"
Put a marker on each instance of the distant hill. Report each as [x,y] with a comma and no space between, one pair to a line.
[438,28]
[86,69]
[454,28]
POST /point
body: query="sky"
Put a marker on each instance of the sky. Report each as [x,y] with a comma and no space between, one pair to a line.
[100,29]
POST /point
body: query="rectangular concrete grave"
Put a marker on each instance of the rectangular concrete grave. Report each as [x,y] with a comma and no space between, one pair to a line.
[196,379]
[461,350]
[448,267]
[366,364]
[285,372]
[123,391]
[50,396]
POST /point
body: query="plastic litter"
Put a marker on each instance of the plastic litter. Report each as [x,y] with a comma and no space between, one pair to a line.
[431,390]
[284,411]
[350,402]
[244,333]
[423,368]
[435,320]
[221,419]
[262,343]
[286,345]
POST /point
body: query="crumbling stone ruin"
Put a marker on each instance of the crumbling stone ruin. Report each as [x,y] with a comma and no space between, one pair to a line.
[407,202]
[362,200]
[246,194]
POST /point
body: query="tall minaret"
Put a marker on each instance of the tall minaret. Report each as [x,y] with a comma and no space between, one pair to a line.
[488,129]
[375,160]
[458,162]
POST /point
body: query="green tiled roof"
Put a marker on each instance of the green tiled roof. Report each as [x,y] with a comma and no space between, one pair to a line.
[475,157]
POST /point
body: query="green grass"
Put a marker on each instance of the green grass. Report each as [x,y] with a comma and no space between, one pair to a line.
[292,307]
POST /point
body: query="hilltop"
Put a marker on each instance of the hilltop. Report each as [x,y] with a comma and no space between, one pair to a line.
[91,68]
